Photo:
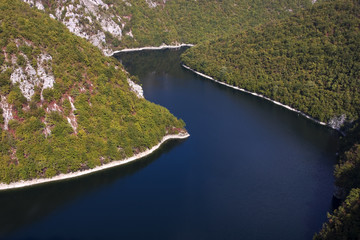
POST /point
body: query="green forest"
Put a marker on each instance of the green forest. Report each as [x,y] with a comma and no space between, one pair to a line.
[184,21]
[311,62]
[344,223]
[112,122]
[194,21]
[301,54]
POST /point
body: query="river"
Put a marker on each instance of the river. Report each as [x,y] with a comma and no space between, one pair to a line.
[250,170]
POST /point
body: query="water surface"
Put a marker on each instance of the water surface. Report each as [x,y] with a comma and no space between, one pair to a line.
[250,170]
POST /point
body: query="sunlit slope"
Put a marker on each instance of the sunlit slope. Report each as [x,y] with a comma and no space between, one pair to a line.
[116,24]
[310,61]
[64,106]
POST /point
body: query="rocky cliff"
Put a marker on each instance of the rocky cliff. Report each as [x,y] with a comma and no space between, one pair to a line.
[89,19]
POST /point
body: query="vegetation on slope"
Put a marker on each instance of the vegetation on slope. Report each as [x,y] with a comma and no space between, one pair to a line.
[152,23]
[89,117]
[347,172]
[194,21]
[309,61]
[344,223]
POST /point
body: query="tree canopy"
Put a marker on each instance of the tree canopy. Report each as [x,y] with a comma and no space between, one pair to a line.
[111,121]
[309,61]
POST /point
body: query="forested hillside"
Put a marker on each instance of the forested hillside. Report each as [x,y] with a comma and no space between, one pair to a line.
[117,24]
[64,106]
[344,223]
[309,61]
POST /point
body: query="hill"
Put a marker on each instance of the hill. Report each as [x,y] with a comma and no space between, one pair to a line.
[116,24]
[64,105]
[309,61]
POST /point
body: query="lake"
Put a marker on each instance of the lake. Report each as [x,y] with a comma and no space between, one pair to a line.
[249,170]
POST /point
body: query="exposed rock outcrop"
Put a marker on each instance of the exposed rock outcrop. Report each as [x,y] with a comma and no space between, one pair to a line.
[89,19]
[337,122]
[7,111]
[27,77]
[151,3]
[137,89]
[72,118]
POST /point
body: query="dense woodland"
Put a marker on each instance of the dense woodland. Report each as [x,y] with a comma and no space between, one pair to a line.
[194,21]
[310,61]
[184,21]
[113,123]
[344,223]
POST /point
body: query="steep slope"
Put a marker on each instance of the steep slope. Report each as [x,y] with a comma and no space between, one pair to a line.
[115,24]
[310,61]
[347,171]
[344,223]
[93,20]
[65,107]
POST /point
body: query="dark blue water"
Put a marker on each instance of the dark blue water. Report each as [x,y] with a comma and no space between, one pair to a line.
[250,170]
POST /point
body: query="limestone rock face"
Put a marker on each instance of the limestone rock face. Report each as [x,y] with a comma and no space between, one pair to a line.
[151,3]
[94,20]
[7,111]
[137,89]
[28,78]
[89,19]
[337,122]
[28,75]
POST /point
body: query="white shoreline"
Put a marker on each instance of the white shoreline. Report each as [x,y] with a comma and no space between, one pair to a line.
[260,96]
[164,46]
[62,176]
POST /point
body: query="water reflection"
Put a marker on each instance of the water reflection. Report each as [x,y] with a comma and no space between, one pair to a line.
[24,206]
[280,183]
[250,170]
[164,61]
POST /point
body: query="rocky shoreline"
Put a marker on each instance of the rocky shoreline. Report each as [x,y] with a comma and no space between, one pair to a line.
[164,46]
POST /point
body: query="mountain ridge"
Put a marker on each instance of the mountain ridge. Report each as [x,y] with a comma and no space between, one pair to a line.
[112,25]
